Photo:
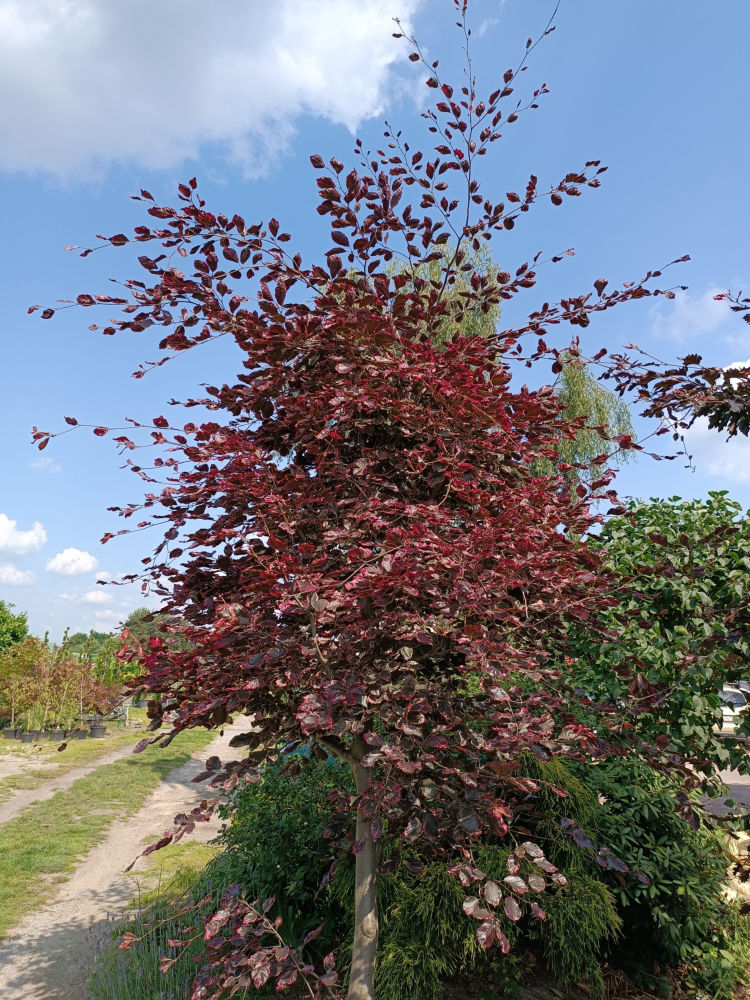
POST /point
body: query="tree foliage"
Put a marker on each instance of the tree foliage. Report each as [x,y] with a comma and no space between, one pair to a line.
[13,625]
[399,590]
[681,617]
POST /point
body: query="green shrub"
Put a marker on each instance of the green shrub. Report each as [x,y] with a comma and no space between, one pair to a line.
[582,920]
[275,846]
[677,915]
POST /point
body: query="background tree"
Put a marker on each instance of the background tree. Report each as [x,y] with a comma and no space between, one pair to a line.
[450,273]
[583,397]
[13,627]
[144,624]
[99,650]
[17,661]
[683,596]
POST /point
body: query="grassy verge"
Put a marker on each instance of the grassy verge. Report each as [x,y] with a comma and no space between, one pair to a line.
[42,845]
[78,753]
[170,873]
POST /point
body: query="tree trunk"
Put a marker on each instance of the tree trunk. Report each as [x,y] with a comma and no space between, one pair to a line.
[365,945]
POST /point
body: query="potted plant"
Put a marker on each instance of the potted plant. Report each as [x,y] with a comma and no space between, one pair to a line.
[97,729]
[27,737]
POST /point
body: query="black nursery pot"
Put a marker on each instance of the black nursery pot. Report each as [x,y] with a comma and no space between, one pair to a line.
[28,737]
[80,734]
[97,732]
[11,734]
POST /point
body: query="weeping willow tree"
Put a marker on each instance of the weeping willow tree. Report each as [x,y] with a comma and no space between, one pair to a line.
[462,312]
[583,396]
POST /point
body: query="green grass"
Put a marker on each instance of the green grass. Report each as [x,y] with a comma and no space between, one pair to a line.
[47,840]
[78,753]
[170,873]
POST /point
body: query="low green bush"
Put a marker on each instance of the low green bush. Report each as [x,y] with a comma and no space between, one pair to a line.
[274,845]
[677,913]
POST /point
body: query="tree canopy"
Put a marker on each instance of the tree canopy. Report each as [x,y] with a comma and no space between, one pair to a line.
[13,626]
[681,616]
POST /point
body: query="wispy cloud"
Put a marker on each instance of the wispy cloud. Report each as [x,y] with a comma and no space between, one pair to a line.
[688,317]
[108,616]
[13,577]
[727,461]
[12,539]
[96,597]
[85,83]
[48,465]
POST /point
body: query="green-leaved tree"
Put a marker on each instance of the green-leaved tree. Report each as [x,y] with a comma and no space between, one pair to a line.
[13,627]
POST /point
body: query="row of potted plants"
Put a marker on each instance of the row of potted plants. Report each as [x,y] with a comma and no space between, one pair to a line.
[96,730]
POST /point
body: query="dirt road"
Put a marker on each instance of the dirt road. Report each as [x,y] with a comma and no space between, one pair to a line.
[48,956]
[18,801]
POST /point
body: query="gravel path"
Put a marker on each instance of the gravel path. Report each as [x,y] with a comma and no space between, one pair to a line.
[19,800]
[48,956]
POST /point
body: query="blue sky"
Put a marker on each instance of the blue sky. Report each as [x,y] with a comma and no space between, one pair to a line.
[99,99]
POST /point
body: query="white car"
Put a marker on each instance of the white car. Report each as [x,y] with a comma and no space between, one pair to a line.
[733,705]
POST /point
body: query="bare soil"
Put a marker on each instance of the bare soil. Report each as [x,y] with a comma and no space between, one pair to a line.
[49,955]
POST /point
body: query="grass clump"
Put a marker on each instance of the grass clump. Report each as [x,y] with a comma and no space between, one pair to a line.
[171,873]
[49,838]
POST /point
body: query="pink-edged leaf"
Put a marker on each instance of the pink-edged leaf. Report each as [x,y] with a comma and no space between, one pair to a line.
[311,935]
[286,979]
[516,883]
[485,934]
[512,909]
[492,893]
[503,942]
[217,921]
[261,973]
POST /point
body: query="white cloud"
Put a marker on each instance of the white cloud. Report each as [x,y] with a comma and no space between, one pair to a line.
[84,83]
[48,465]
[107,616]
[72,562]
[687,317]
[12,577]
[96,597]
[713,454]
[20,542]
[104,575]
